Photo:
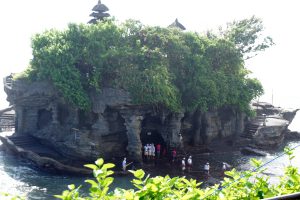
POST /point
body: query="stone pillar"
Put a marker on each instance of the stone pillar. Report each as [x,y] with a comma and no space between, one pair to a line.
[174,127]
[240,123]
[198,125]
[213,126]
[133,125]
[54,114]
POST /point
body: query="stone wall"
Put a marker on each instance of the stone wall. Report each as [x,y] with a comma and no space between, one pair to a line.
[202,128]
[114,127]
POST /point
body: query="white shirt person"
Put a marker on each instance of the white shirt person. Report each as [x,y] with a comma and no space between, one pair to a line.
[206,168]
[124,164]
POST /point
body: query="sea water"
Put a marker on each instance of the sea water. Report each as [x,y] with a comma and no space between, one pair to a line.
[19,177]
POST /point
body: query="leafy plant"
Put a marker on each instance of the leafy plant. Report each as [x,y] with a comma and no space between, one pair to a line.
[237,185]
[7,196]
[98,188]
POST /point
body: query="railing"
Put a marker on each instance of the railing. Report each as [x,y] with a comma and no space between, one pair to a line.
[287,196]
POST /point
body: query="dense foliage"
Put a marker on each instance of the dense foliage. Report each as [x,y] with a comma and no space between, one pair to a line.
[158,66]
[238,185]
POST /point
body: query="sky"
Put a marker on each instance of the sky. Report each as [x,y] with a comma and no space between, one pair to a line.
[276,68]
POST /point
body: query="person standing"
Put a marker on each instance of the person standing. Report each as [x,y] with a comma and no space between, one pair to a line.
[183,165]
[158,150]
[189,163]
[153,151]
[146,152]
[206,168]
[225,167]
[164,154]
[174,153]
[150,151]
[181,141]
[124,165]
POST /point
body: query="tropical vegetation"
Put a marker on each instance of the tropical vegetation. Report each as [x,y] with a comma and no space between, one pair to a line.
[237,185]
[157,66]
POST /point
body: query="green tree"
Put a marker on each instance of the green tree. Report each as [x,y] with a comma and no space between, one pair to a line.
[158,66]
[247,36]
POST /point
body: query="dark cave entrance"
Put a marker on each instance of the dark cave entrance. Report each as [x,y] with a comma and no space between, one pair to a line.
[153,136]
[150,133]
[63,114]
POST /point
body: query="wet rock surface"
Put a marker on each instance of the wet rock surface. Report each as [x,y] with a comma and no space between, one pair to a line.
[252,151]
[268,129]
[115,127]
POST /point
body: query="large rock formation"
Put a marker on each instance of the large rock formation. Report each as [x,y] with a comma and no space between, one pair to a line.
[271,124]
[114,127]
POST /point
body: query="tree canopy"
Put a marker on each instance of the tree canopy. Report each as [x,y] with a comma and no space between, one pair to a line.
[158,66]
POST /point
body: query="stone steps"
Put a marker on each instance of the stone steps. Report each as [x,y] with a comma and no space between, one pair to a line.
[250,130]
[32,144]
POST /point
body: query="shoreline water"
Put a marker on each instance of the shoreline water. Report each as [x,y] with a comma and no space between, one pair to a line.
[18,177]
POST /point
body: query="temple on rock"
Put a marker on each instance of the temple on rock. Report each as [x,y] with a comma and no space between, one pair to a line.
[109,89]
[99,13]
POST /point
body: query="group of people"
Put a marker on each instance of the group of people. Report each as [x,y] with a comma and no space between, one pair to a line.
[151,151]
[187,164]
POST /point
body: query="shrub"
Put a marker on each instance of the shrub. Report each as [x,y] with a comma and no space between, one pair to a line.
[238,185]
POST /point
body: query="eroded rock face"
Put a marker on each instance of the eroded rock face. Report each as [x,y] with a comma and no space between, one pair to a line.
[114,127]
[270,136]
[272,124]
